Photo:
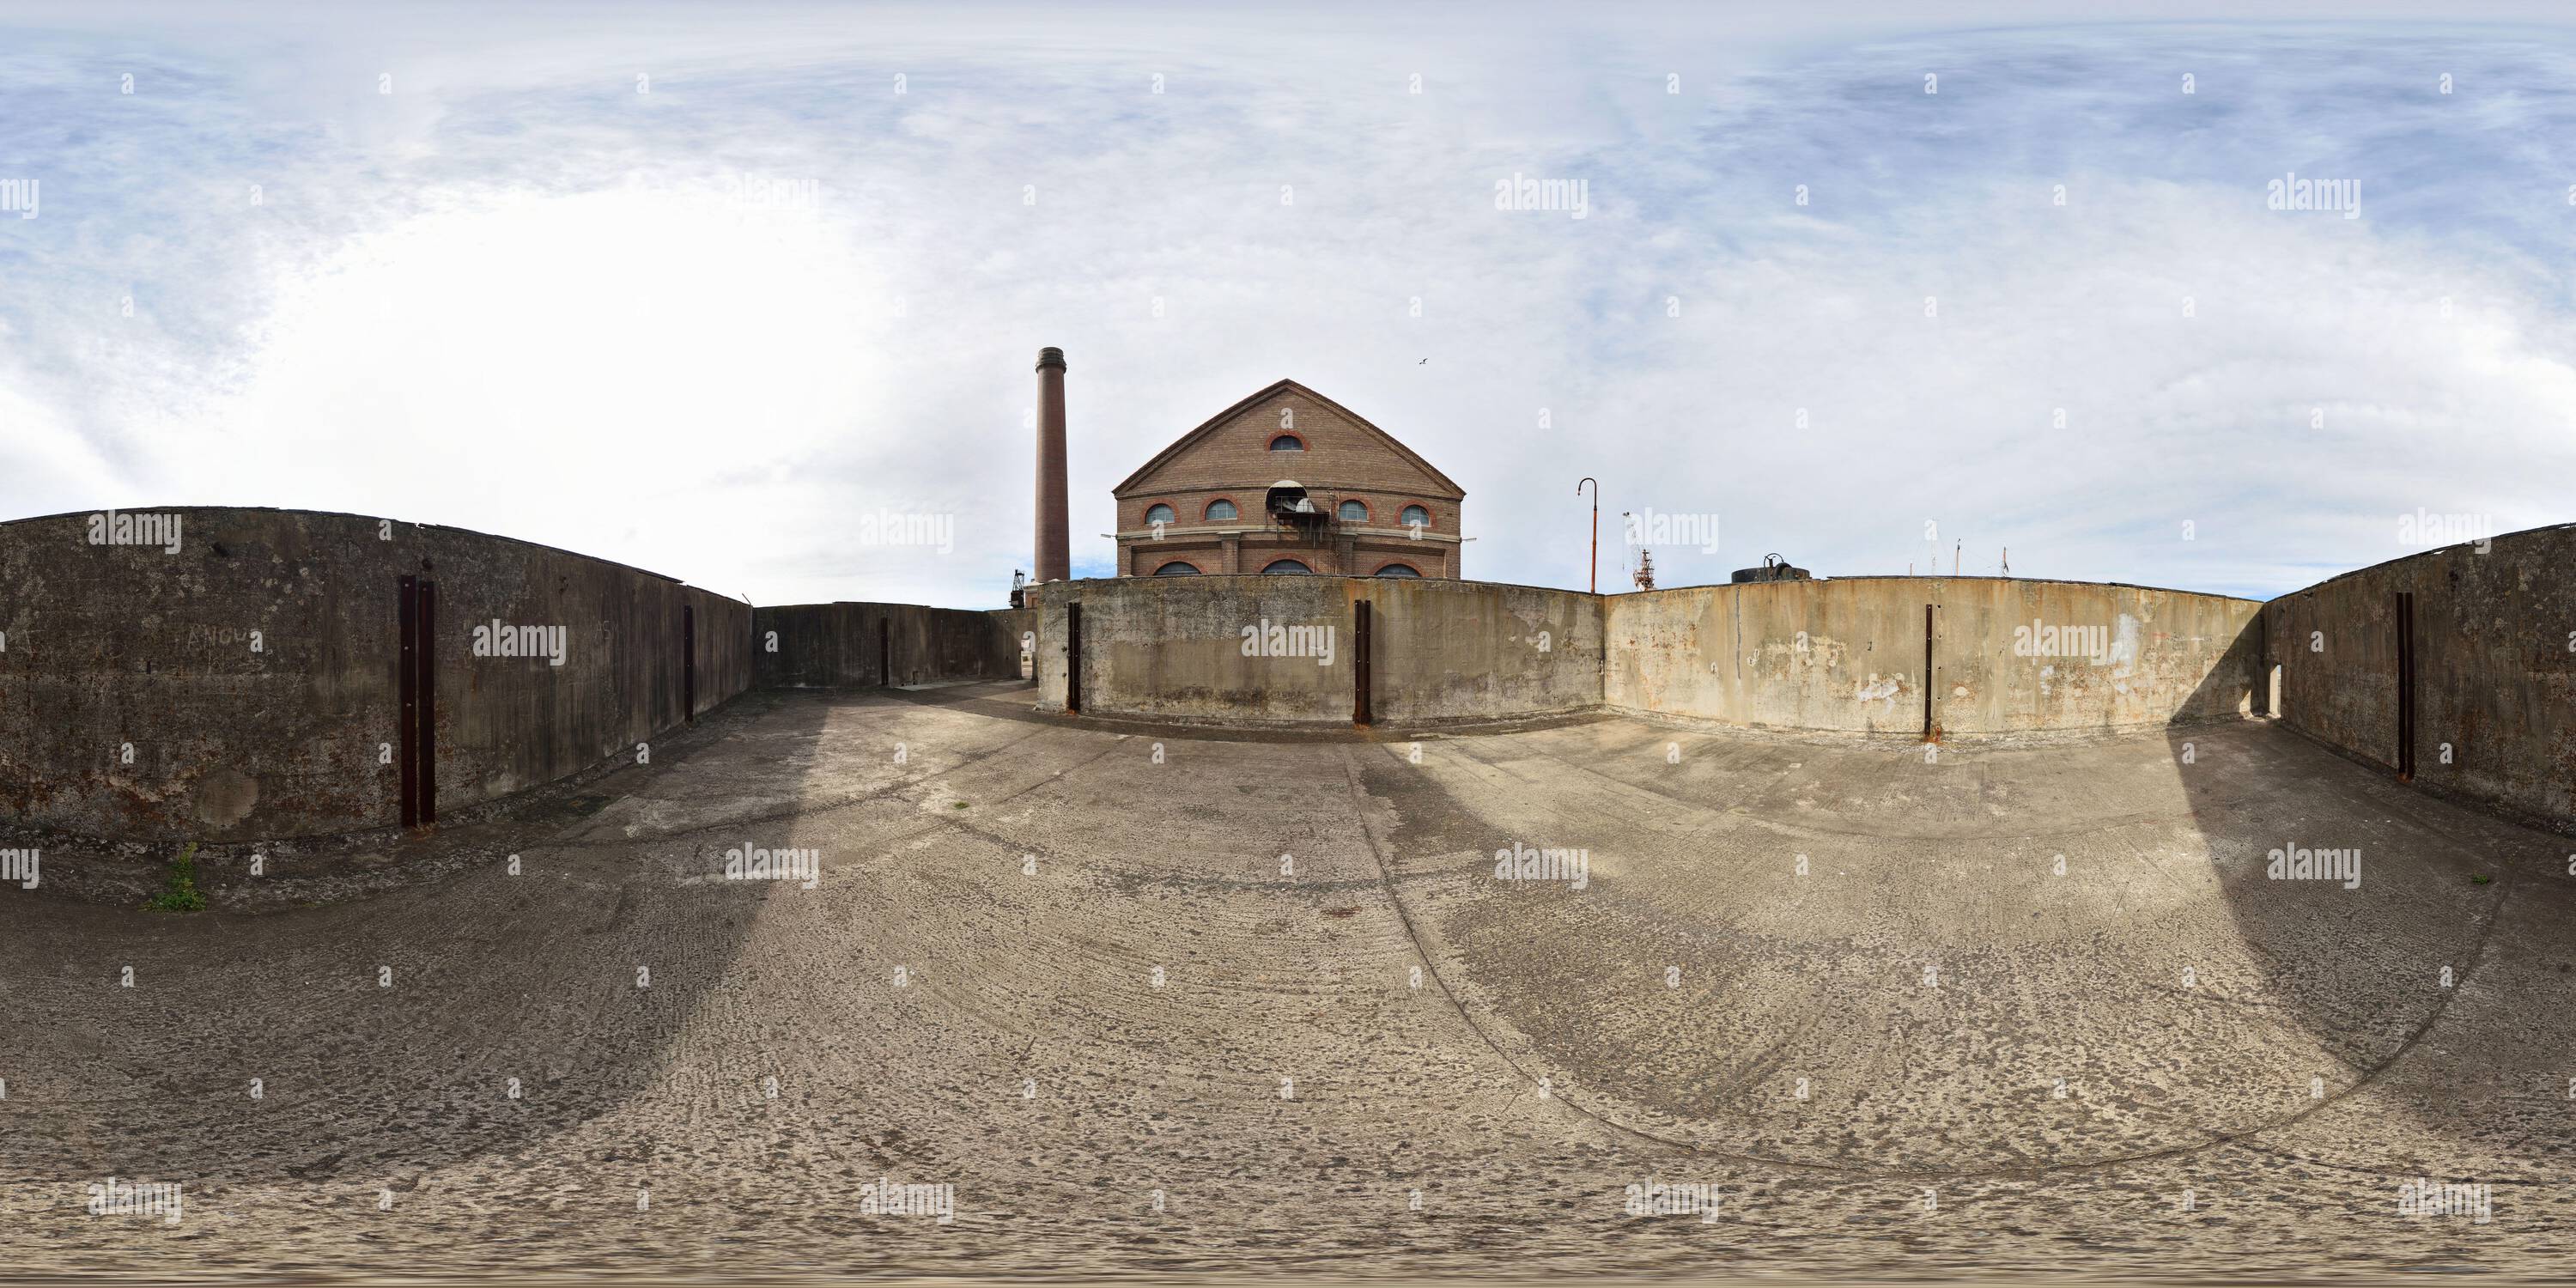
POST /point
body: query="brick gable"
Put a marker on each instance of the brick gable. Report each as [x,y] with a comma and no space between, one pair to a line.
[1346,460]
[1342,449]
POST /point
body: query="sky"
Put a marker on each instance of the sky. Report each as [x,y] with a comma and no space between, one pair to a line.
[751,295]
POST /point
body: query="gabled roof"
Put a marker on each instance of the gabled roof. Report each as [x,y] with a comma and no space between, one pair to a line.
[1270,391]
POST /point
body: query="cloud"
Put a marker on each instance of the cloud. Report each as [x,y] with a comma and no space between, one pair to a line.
[713,328]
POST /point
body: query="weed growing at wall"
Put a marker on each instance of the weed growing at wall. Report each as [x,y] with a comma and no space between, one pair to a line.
[179,893]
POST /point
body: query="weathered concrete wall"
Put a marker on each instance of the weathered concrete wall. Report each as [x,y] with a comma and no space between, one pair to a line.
[1841,655]
[1174,648]
[115,646]
[2495,669]
[2007,655]
[1467,650]
[1801,654]
[1152,647]
[133,702]
[1014,631]
[866,645]
[1045,605]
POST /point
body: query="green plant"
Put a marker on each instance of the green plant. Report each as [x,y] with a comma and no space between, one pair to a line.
[179,893]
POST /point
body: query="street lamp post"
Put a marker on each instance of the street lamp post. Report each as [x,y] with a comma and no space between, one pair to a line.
[1596,529]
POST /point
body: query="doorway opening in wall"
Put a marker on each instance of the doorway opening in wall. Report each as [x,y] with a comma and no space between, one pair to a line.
[2272,696]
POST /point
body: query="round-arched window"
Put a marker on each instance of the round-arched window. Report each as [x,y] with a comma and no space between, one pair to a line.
[1177,568]
[1287,443]
[1287,568]
[1354,511]
[1399,570]
[1159,514]
[1220,509]
[1415,517]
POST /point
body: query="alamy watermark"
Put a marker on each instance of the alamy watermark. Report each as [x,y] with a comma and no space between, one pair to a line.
[748,862]
[2298,863]
[20,866]
[19,195]
[882,1197]
[772,192]
[1276,639]
[1652,527]
[2095,645]
[1657,1198]
[2427,529]
[1544,863]
[887,528]
[136,1198]
[497,639]
[113,528]
[2291,192]
[2425,1196]
[1520,192]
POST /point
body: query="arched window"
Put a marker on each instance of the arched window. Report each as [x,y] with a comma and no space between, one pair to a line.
[1399,570]
[1355,512]
[1287,568]
[1177,568]
[1159,514]
[1220,509]
[1415,516]
[1287,443]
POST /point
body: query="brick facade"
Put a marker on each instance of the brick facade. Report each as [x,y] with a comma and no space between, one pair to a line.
[1345,459]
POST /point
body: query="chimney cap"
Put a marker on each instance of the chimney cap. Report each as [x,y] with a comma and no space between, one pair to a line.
[1050,356]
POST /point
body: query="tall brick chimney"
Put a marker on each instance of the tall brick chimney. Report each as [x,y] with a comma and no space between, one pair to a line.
[1054,542]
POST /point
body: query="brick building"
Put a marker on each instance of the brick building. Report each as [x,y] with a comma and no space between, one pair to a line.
[1288,481]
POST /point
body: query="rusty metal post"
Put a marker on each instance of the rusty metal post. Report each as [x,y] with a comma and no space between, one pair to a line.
[1361,711]
[2405,686]
[1073,657]
[426,657]
[407,690]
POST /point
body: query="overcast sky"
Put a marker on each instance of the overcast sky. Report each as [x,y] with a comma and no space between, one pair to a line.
[705,291]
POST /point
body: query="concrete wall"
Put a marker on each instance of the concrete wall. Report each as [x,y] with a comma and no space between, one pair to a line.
[1469,650]
[1173,648]
[1015,631]
[2495,670]
[109,646]
[865,645]
[1841,655]
[1848,654]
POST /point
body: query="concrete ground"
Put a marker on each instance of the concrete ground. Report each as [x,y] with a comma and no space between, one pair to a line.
[1163,1004]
